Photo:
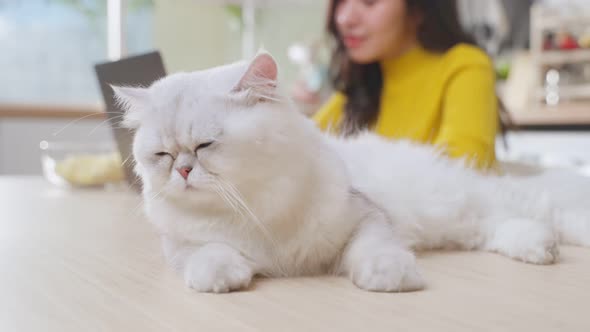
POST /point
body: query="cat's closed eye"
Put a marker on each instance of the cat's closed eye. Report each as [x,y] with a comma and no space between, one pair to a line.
[164,154]
[203,146]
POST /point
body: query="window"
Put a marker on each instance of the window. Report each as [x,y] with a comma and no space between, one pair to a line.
[49,47]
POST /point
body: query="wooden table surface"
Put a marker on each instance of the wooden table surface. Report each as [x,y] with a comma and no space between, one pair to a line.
[86,260]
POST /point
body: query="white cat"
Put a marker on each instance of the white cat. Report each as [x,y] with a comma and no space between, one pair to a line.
[238,183]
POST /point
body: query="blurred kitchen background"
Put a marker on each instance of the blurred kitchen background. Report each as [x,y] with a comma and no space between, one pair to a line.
[49,92]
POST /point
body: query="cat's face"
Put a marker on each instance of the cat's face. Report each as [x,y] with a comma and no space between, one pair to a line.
[202,135]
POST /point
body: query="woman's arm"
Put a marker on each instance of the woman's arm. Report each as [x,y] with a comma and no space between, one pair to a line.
[470,116]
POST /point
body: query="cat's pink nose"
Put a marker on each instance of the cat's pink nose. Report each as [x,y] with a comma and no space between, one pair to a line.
[184,171]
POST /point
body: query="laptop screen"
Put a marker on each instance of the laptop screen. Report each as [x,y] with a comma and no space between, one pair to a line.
[141,70]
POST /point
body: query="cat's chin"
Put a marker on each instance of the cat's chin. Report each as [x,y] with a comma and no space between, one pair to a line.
[191,192]
[193,199]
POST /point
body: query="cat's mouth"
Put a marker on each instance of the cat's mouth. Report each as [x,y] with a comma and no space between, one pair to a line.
[189,187]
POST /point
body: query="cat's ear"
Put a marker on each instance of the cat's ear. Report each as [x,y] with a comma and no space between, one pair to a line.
[133,101]
[260,79]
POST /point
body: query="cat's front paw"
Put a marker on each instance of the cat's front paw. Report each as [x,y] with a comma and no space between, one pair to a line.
[388,272]
[525,240]
[207,272]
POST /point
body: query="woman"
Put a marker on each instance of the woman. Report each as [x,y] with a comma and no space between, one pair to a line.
[406,69]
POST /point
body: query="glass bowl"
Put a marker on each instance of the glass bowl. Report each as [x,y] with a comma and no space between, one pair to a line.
[81,164]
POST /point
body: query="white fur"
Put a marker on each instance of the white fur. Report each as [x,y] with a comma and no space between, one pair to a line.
[274,196]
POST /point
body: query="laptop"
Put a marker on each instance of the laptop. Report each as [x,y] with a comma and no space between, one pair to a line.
[140,70]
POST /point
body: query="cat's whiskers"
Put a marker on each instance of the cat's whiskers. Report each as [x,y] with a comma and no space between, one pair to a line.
[153,198]
[127,159]
[136,181]
[225,196]
[219,189]
[235,195]
[143,201]
[116,124]
[136,210]
[67,125]
[229,193]
[237,209]
[242,227]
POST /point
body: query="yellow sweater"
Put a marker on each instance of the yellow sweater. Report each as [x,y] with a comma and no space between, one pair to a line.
[445,99]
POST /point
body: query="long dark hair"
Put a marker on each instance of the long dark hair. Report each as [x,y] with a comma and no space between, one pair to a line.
[439,30]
